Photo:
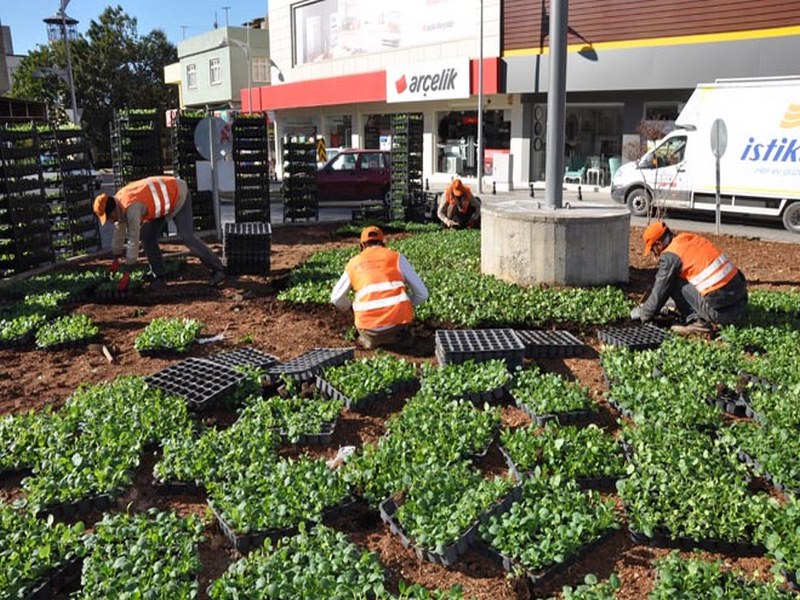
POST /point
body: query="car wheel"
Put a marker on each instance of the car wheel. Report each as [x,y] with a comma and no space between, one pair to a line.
[638,202]
[791,217]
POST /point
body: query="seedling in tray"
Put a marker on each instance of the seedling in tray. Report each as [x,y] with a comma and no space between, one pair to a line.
[359,383]
[69,331]
[547,396]
[477,382]
[168,336]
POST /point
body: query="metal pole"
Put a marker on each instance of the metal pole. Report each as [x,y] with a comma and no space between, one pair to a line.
[480,106]
[212,135]
[717,204]
[69,60]
[249,74]
[556,103]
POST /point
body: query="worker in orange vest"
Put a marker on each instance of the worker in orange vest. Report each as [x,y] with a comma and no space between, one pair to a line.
[458,207]
[140,210]
[386,291]
[705,286]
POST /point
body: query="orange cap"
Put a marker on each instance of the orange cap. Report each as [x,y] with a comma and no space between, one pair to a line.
[99,207]
[652,233]
[458,187]
[371,233]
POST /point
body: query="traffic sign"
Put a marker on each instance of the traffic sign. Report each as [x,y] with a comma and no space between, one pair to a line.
[223,137]
[322,151]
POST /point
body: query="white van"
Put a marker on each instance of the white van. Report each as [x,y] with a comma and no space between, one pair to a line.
[759,171]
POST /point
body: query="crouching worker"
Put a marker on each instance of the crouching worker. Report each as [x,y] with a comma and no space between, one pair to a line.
[386,291]
[705,285]
[140,210]
[458,208]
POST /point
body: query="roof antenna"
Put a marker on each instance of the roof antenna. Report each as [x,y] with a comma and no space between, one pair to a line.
[215,20]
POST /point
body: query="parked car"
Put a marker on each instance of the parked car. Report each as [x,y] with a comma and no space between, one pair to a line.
[355,175]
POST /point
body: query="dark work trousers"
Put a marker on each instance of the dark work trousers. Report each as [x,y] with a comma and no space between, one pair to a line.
[184,224]
[693,306]
[463,219]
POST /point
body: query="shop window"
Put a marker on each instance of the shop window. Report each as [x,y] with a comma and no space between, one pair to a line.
[457,140]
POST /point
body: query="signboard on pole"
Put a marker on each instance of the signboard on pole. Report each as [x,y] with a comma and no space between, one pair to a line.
[719,143]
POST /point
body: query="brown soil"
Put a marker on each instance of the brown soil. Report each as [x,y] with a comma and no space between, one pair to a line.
[246,312]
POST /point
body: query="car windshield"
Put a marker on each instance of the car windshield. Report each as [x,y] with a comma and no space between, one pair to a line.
[343,162]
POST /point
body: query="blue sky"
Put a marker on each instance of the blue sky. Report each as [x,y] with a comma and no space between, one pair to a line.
[27,30]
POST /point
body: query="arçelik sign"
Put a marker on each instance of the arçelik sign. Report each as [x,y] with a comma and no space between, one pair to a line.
[440,80]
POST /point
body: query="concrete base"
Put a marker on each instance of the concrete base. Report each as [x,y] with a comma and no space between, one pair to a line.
[524,243]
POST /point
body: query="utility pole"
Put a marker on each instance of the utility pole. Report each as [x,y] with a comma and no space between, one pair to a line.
[556,103]
[226,9]
[183,31]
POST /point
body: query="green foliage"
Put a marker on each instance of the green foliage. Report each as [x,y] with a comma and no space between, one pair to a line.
[775,448]
[67,329]
[549,393]
[30,547]
[168,334]
[568,451]
[153,554]
[592,589]
[701,580]
[464,296]
[553,521]
[462,380]
[295,415]
[369,376]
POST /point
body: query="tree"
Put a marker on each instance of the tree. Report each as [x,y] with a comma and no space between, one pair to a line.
[113,68]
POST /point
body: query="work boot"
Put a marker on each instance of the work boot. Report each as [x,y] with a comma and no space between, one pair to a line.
[693,327]
[217,278]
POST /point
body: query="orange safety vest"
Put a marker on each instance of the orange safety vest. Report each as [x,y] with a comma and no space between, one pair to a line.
[158,194]
[703,265]
[381,299]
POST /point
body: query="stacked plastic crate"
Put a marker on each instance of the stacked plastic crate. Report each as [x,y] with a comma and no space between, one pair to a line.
[184,164]
[246,248]
[251,167]
[25,241]
[135,145]
[406,183]
[299,178]
[67,169]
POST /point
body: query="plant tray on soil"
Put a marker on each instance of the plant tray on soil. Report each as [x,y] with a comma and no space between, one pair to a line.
[244,357]
[550,344]
[564,418]
[59,578]
[167,488]
[331,392]
[320,438]
[754,463]
[732,406]
[68,510]
[251,540]
[457,346]
[200,382]
[306,366]
[541,577]
[71,344]
[644,337]
[388,509]
[22,341]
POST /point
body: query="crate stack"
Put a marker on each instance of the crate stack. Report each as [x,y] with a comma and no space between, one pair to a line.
[25,241]
[246,248]
[70,191]
[299,178]
[406,182]
[184,158]
[135,145]
[251,169]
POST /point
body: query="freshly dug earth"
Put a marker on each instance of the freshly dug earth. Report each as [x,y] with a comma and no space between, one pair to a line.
[246,312]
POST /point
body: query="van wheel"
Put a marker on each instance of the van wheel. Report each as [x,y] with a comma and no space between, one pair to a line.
[638,202]
[791,217]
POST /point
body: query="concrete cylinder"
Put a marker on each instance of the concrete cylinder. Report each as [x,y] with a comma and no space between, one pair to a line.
[525,243]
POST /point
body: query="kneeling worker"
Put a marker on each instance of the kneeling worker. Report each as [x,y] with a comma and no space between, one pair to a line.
[140,209]
[458,208]
[386,291]
[705,285]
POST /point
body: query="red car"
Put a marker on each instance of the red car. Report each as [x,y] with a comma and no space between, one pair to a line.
[355,175]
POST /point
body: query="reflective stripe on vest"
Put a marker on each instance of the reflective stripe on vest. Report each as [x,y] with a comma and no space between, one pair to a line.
[161,201]
[380,292]
[703,265]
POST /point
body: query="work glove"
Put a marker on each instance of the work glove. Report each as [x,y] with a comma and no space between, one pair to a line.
[124,282]
[114,267]
[450,223]
[636,313]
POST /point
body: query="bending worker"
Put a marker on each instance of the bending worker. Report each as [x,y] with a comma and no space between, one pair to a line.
[140,210]
[386,291]
[705,285]
[458,208]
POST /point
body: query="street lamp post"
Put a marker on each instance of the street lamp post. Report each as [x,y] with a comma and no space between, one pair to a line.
[59,21]
[246,49]
[480,106]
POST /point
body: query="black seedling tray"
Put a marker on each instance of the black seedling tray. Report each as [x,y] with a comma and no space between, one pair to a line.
[643,337]
[732,406]
[71,344]
[69,510]
[388,509]
[563,418]
[457,346]
[755,464]
[252,540]
[200,382]
[56,579]
[167,488]
[306,366]
[319,438]
[538,578]
[328,390]
[550,344]
[244,357]
[19,342]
